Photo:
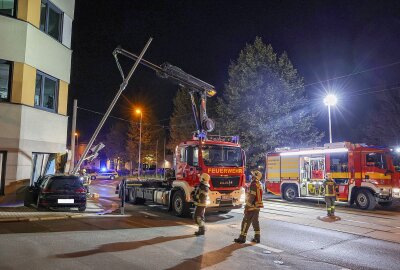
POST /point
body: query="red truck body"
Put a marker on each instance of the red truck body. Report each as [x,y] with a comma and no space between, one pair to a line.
[365,174]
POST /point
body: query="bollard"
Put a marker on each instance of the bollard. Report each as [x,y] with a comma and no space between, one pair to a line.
[123,186]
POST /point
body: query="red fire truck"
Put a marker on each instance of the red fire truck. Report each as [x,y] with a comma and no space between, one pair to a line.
[221,157]
[364,174]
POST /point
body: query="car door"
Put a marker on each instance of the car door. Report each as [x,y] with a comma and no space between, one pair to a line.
[32,191]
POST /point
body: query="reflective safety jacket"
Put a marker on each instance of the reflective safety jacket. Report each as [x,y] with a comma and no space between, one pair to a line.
[254,197]
[201,195]
[330,188]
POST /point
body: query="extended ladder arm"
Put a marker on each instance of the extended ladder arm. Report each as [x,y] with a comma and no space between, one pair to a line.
[186,81]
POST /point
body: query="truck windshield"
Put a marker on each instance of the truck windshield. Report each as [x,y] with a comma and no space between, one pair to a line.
[396,161]
[222,156]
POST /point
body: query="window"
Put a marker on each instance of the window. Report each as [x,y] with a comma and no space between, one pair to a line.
[376,160]
[5,81]
[51,19]
[7,7]
[182,154]
[339,162]
[192,156]
[220,156]
[45,91]
[42,165]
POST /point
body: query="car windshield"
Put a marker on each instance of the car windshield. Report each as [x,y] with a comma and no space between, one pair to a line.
[222,156]
[61,183]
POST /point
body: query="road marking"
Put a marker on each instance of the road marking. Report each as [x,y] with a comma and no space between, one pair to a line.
[149,214]
[269,248]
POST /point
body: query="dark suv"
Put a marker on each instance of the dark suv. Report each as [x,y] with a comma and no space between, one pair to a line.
[57,191]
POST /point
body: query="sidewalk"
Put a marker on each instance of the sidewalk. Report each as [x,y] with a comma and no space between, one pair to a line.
[19,212]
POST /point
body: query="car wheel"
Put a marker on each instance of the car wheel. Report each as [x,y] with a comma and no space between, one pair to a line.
[365,200]
[290,193]
[179,204]
[82,208]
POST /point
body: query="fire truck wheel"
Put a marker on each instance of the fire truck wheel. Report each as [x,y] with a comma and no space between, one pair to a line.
[179,204]
[365,200]
[133,198]
[290,193]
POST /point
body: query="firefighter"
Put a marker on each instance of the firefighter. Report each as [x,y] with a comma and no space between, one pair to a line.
[86,180]
[252,209]
[330,195]
[200,199]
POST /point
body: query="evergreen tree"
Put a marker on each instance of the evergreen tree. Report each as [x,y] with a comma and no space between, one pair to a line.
[264,102]
[182,124]
[114,141]
[151,132]
[382,126]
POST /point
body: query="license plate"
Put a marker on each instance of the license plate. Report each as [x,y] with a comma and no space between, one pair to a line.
[226,197]
[65,200]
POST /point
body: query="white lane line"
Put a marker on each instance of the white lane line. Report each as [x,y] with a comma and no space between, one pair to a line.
[149,214]
[269,248]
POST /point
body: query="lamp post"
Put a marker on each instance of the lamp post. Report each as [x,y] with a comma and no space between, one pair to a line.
[330,100]
[138,111]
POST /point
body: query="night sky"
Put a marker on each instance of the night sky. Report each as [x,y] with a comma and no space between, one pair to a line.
[324,40]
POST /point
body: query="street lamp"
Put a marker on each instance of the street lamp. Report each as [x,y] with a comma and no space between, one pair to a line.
[138,111]
[330,100]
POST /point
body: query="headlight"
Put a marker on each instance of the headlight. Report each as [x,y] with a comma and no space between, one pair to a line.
[242,198]
[396,190]
[208,201]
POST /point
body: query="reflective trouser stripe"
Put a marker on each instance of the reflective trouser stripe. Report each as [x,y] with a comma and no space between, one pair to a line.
[199,216]
[250,218]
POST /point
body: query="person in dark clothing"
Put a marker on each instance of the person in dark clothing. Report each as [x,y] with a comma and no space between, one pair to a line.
[200,201]
[252,209]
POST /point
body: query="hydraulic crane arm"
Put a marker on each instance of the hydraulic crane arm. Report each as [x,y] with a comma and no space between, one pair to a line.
[190,83]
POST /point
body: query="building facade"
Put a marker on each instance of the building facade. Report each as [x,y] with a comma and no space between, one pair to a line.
[35,65]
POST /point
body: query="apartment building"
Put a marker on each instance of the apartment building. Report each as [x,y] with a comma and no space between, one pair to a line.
[35,66]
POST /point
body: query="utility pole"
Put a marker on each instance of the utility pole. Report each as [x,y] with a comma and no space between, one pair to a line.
[121,89]
[73,131]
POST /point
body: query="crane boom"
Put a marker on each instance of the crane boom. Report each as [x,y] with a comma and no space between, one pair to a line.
[186,81]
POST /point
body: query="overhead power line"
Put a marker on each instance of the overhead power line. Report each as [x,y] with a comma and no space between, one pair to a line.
[354,73]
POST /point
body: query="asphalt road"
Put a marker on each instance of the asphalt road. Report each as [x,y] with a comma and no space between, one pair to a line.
[152,238]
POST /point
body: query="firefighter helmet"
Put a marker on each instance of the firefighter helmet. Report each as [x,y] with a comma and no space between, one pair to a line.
[204,178]
[256,174]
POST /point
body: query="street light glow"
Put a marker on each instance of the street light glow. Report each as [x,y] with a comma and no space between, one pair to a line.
[138,111]
[330,100]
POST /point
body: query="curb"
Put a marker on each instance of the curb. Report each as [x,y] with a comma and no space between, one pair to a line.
[25,219]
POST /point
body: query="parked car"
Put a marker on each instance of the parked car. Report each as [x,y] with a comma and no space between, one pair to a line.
[104,175]
[57,191]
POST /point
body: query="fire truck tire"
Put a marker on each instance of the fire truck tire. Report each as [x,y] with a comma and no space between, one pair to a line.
[365,200]
[133,198]
[179,205]
[290,193]
[385,204]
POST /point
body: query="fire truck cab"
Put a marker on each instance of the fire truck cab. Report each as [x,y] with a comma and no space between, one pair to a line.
[223,159]
[364,174]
